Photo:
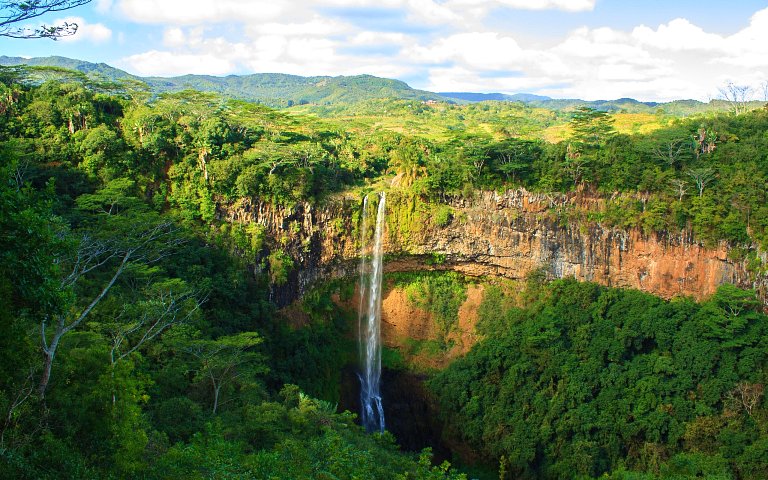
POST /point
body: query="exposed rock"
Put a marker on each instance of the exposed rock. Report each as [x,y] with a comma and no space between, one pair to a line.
[494,234]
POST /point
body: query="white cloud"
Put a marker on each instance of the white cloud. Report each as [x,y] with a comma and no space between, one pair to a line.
[93,32]
[566,5]
[195,12]
[478,50]
[103,6]
[379,38]
[174,37]
[679,34]
[449,39]
[459,79]
[316,26]
[748,47]
[431,12]
[171,64]
[601,44]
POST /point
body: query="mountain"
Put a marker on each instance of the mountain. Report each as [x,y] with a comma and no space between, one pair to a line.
[99,70]
[283,90]
[286,90]
[274,89]
[501,97]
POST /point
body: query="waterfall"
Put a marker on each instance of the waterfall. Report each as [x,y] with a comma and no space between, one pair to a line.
[369,318]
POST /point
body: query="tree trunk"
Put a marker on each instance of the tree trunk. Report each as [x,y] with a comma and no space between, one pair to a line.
[46,376]
[216,390]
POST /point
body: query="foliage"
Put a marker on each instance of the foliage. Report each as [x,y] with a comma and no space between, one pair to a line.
[442,295]
[163,356]
[125,234]
[280,265]
[587,380]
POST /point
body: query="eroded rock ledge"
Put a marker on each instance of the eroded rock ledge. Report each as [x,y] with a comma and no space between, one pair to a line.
[493,234]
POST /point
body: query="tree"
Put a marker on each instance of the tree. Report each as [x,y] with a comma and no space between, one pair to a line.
[704,141]
[671,151]
[701,177]
[591,128]
[408,161]
[147,319]
[575,164]
[736,95]
[125,235]
[29,244]
[13,12]
[745,396]
[226,359]
[515,157]
[680,187]
[149,244]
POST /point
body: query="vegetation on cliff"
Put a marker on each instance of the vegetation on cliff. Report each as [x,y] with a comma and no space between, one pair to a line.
[585,380]
[138,338]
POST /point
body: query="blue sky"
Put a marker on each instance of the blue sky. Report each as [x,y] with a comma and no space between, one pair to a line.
[592,49]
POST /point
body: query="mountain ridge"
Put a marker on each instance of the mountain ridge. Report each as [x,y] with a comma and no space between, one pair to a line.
[286,90]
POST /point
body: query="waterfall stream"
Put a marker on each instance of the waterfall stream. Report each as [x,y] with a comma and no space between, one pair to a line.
[369,318]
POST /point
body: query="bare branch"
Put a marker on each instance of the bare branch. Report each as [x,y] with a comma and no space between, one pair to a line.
[745,396]
[13,12]
[170,309]
[736,95]
[671,151]
[22,395]
[702,177]
[680,187]
[148,246]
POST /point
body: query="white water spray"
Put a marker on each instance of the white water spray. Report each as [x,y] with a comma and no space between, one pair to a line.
[369,320]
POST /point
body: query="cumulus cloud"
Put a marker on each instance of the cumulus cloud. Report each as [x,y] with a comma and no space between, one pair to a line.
[92,32]
[189,12]
[679,34]
[748,47]
[448,44]
[174,37]
[170,64]
[567,5]
[316,26]
[103,6]
[478,50]
[195,12]
[460,79]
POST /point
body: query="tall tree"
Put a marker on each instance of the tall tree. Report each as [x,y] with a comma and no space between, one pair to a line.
[126,235]
[591,128]
[225,360]
[736,95]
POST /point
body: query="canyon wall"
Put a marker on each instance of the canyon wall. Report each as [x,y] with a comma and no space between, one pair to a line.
[493,234]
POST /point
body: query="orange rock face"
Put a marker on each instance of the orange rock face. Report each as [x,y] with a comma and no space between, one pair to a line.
[501,235]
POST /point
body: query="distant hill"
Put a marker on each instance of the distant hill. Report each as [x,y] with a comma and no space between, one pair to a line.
[279,89]
[499,97]
[99,70]
[282,90]
[624,105]
[274,89]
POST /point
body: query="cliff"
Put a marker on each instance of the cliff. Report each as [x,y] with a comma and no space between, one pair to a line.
[494,234]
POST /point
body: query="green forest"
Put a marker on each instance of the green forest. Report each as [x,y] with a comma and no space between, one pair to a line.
[139,336]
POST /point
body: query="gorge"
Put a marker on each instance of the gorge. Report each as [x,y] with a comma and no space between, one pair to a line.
[506,235]
[492,235]
[232,290]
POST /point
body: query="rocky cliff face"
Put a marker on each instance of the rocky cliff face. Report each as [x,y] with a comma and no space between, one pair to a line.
[494,234]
